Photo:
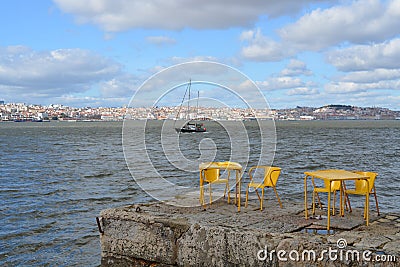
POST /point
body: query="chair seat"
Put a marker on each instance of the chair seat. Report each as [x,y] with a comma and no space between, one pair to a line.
[257,185]
[210,177]
[355,192]
[218,181]
[270,176]
[322,190]
[334,187]
[365,188]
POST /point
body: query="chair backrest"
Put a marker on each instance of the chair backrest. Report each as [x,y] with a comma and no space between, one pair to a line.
[361,185]
[271,175]
[211,175]
[335,185]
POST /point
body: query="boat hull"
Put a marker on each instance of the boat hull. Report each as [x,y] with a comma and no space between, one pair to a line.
[183,130]
[192,127]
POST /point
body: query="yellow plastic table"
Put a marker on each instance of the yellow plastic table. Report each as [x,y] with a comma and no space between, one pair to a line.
[331,176]
[227,165]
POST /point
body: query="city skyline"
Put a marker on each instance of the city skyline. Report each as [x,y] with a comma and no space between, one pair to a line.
[20,112]
[2,102]
[299,53]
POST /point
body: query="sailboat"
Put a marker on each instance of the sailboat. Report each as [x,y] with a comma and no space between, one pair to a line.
[191,126]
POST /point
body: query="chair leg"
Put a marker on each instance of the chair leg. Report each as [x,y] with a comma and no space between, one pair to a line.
[209,188]
[277,196]
[334,201]
[229,193]
[247,196]
[348,202]
[346,198]
[313,203]
[202,198]
[342,200]
[258,195]
[201,195]
[319,201]
[225,191]
[376,201]
[262,199]
[365,207]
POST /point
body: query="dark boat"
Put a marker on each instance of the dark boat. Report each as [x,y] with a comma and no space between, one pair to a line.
[191,126]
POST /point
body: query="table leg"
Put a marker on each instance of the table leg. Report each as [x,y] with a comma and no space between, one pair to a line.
[305,197]
[341,199]
[201,195]
[236,188]
[367,204]
[201,190]
[329,206]
[229,195]
[239,185]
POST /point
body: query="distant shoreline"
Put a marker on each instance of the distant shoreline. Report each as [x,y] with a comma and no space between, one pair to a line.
[23,112]
[216,120]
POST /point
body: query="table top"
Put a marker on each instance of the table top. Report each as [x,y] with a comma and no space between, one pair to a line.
[336,175]
[226,165]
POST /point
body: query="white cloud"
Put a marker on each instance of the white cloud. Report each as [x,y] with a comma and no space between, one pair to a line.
[161,40]
[120,86]
[369,68]
[262,48]
[296,68]
[352,87]
[366,57]
[303,91]
[120,15]
[63,68]
[28,74]
[277,83]
[371,76]
[286,79]
[89,101]
[362,21]
[179,60]
[247,35]
[281,83]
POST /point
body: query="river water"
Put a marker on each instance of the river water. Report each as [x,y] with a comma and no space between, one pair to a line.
[56,177]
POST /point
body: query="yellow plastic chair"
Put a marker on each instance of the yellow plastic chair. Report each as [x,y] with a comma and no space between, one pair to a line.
[212,176]
[270,178]
[335,186]
[360,188]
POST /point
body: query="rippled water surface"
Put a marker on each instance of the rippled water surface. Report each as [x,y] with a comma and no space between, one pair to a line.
[56,177]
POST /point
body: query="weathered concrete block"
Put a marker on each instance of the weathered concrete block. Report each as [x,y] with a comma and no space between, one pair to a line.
[221,246]
[140,236]
[161,235]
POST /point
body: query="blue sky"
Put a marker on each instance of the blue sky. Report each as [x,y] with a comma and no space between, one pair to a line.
[298,52]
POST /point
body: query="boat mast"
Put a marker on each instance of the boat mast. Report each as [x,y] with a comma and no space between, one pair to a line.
[197,112]
[188,108]
[180,106]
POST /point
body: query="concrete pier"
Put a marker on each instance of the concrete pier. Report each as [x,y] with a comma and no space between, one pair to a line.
[159,234]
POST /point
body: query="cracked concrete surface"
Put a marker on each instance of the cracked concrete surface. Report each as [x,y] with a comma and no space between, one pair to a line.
[158,234]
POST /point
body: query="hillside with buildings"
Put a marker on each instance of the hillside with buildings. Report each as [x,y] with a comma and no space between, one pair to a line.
[25,112]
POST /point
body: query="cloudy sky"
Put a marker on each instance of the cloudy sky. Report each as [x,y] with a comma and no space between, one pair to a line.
[298,52]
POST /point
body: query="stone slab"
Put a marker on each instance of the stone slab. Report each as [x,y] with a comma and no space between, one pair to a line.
[160,234]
